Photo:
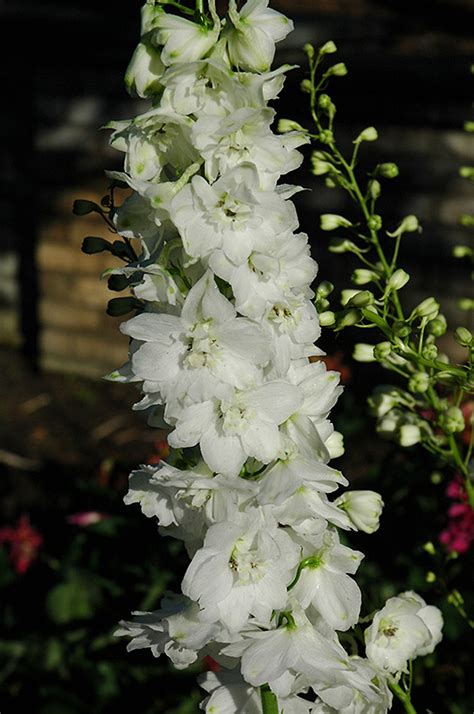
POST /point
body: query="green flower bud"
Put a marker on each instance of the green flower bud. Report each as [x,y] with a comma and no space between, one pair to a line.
[329,182]
[362,276]
[467,172]
[324,101]
[398,279]
[382,350]
[419,382]
[430,352]
[462,251]
[348,319]
[363,352]
[328,48]
[375,222]
[347,294]
[469,126]
[369,134]
[337,70]
[326,136]
[401,329]
[430,577]
[326,319]
[436,478]
[427,308]
[375,189]
[342,245]
[388,170]
[362,298]
[320,167]
[429,548]
[409,435]
[324,289]
[331,221]
[309,50]
[452,420]
[463,336]
[438,326]
[285,125]
[306,87]
[410,224]
[464,303]
[466,220]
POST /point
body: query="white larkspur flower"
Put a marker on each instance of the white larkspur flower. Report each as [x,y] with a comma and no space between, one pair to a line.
[184,40]
[254,31]
[324,582]
[365,692]
[242,569]
[227,214]
[207,339]
[144,71]
[403,629]
[236,425]
[363,508]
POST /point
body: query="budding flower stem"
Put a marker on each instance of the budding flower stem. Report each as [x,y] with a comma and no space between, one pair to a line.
[403,696]
[269,700]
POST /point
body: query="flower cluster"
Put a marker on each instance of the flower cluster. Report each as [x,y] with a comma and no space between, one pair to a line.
[221,350]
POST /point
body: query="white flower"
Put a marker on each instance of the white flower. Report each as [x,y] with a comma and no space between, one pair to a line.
[363,508]
[227,214]
[324,582]
[176,630]
[256,28]
[229,694]
[243,568]
[184,40]
[144,71]
[405,628]
[365,692]
[236,425]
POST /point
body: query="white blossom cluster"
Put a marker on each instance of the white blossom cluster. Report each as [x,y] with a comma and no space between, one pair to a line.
[221,352]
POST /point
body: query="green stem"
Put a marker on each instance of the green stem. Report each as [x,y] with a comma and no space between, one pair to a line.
[269,700]
[462,468]
[200,7]
[403,696]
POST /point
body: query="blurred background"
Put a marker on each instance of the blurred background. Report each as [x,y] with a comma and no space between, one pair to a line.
[72,560]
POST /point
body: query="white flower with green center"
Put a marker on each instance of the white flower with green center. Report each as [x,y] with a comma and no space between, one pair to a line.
[254,31]
[365,692]
[403,629]
[242,569]
[207,338]
[235,425]
[227,215]
[324,583]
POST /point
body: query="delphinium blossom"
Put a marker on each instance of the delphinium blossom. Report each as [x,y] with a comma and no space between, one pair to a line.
[221,351]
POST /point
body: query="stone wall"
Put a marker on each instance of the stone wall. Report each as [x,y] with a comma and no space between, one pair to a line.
[409,76]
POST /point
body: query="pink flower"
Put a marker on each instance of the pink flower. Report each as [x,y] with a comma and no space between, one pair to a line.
[86,518]
[459,534]
[24,543]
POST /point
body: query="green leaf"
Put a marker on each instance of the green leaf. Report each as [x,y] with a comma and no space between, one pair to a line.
[81,207]
[77,598]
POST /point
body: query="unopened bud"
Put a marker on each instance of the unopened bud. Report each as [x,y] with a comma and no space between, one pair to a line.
[467,172]
[419,382]
[463,336]
[328,48]
[342,245]
[337,70]
[324,289]
[327,318]
[429,548]
[375,189]
[409,435]
[453,420]
[466,220]
[331,221]
[410,224]
[430,577]
[324,101]
[348,319]
[362,276]
[369,134]
[285,125]
[469,126]
[438,326]
[398,279]
[363,352]
[361,299]
[375,222]
[466,304]
[388,170]
[306,86]
[326,136]
[320,167]
[462,251]
[382,350]
[401,328]
[427,308]
[363,508]
[309,50]
[430,352]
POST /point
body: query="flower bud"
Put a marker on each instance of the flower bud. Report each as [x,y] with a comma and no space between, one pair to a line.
[427,308]
[410,224]
[375,189]
[363,508]
[324,289]
[430,352]
[382,350]
[466,220]
[324,101]
[362,298]
[335,445]
[462,251]
[375,222]
[409,435]
[362,276]
[327,318]
[308,49]
[342,245]
[398,279]
[369,134]
[430,577]
[337,70]
[419,382]
[388,170]
[469,126]
[144,71]
[453,420]
[467,172]
[305,86]
[285,125]
[363,352]
[328,48]
[463,336]
[326,136]
[464,303]
[348,319]
[438,326]
[401,329]
[331,221]
[319,166]
[429,548]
